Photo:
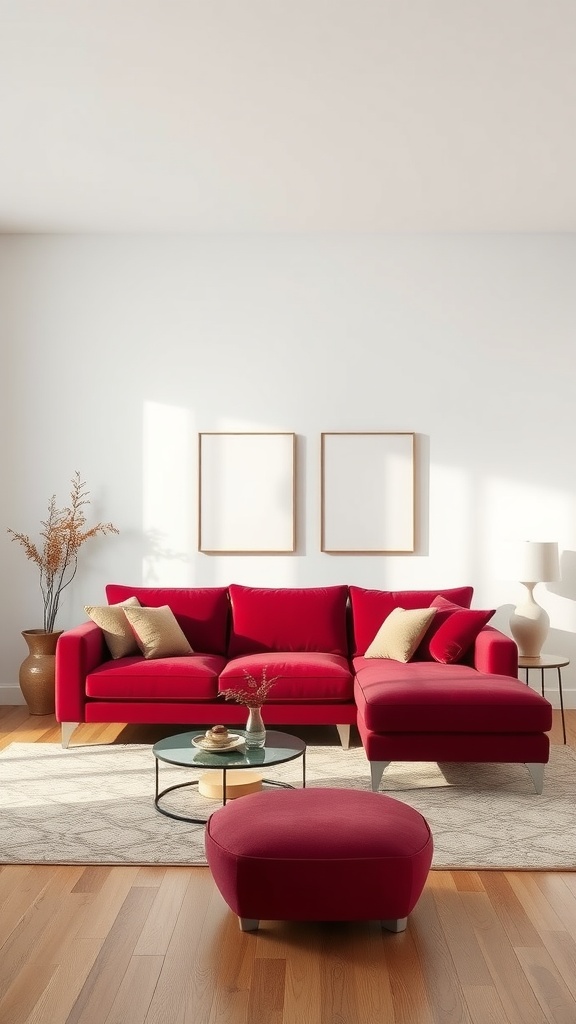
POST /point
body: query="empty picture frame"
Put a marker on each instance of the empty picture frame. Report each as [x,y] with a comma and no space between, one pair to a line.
[367,493]
[246,493]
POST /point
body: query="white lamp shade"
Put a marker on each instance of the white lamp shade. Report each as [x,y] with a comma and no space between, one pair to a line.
[535,561]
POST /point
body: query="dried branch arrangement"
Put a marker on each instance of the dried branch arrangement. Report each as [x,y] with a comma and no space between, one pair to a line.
[254,694]
[63,534]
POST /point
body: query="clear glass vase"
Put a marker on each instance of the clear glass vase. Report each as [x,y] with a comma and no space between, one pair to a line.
[255,731]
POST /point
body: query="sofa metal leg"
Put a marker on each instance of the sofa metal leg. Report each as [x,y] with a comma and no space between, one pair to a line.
[344,734]
[377,771]
[66,730]
[248,924]
[537,775]
[396,925]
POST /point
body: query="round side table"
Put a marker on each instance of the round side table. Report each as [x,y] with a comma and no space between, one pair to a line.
[544,662]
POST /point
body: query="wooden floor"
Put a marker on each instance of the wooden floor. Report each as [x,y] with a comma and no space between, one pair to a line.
[129,945]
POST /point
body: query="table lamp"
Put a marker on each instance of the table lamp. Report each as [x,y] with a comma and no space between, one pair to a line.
[535,562]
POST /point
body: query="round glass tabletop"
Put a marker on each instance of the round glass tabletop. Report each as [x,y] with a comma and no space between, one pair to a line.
[179,750]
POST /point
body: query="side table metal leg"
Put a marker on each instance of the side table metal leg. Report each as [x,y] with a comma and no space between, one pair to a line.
[542,680]
[561,703]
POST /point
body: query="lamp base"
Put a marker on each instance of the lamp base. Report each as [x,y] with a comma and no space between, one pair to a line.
[529,625]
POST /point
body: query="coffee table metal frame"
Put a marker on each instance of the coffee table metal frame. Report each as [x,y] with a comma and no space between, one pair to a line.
[179,751]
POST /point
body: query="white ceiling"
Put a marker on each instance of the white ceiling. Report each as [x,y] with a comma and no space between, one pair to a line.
[287,115]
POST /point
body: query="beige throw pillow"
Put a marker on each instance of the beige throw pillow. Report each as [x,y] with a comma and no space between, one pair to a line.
[157,632]
[400,633]
[112,621]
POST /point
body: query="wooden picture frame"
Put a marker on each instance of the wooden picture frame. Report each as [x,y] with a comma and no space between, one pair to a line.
[246,493]
[367,493]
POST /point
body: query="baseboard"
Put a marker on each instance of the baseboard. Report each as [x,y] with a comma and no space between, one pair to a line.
[551,694]
[11,695]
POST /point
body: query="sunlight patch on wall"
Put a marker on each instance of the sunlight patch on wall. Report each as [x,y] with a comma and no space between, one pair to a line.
[517,510]
[453,522]
[168,495]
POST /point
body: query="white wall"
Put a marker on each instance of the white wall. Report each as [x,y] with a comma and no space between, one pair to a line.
[116,351]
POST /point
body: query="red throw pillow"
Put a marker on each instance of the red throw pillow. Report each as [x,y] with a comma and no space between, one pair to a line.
[457,634]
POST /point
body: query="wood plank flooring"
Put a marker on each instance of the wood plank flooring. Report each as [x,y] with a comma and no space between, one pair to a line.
[152,945]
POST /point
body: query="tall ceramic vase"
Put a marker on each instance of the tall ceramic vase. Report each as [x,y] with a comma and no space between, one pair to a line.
[37,671]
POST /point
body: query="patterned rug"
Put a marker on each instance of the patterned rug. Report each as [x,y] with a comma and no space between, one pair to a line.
[93,804]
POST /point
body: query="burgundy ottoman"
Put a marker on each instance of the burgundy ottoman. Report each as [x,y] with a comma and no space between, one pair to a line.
[319,855]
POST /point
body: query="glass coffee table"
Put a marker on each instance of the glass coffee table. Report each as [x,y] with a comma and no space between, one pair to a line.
[179,751]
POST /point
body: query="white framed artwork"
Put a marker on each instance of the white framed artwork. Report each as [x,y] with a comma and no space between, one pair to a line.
[246,493]
[367,493]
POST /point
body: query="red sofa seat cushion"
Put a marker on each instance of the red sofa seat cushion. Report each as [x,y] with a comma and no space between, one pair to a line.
[310,676]
[426,697]
[194,677]
[201,612]
[304,619]
[370,607]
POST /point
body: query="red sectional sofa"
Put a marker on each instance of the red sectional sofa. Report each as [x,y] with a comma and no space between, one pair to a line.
[314,641]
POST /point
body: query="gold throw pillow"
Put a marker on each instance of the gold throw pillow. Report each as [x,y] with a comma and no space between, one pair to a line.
[400,633]
[118,635]
[157,632]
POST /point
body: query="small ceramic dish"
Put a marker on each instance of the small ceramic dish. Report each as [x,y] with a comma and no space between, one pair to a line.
[204,744]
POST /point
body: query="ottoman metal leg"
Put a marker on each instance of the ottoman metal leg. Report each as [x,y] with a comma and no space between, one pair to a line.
[248,924]
[397,925]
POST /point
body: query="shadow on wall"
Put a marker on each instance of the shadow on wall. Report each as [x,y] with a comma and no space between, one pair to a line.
[501,618]
[559,599]
[157,555]
[566,587]
[561,607]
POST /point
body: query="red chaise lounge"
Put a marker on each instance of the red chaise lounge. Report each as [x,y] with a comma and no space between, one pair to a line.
[474,709]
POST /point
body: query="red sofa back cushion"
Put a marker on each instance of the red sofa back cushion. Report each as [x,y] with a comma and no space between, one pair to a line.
[201,612]
[371,607]
[304,619]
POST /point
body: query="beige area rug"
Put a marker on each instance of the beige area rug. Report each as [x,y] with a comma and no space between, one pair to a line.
[94,804]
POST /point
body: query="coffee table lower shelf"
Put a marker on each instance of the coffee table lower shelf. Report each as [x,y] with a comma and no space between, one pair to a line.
[194,782]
